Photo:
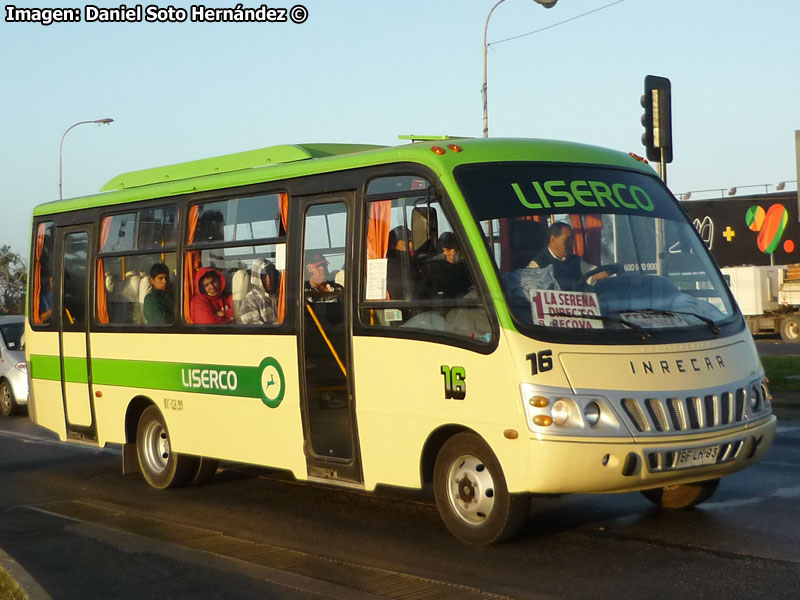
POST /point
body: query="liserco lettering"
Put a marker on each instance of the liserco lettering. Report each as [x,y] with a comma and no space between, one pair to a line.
[209,379]
[592,194]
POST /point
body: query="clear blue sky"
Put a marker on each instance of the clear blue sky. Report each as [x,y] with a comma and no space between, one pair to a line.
[368,70]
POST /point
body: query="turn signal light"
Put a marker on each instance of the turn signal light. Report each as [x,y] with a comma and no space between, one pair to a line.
[438,150]
[542,420]
[455,147]
[539,402]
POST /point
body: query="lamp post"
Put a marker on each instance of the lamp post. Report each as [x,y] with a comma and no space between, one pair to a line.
[61,147]
[546,4]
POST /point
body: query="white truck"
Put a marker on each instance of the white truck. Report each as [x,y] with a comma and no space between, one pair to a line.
[769,297]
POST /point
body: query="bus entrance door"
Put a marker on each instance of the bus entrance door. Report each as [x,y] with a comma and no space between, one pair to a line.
[73,333]
[328,402]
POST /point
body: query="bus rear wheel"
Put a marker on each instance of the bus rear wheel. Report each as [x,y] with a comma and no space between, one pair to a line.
[162,468]
[471,492]
[682,496]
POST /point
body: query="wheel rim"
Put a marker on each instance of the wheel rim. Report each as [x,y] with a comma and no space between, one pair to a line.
[156,447]
[470,489]
[792,330]
[5,399]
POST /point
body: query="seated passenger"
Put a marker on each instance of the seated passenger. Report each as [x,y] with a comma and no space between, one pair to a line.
[317,277]
[447,275]
[212,304]
[159,304]
[398,263]
[260,306]
[568,267]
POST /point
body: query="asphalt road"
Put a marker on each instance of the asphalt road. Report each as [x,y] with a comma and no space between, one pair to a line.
[772,345]
[83,530]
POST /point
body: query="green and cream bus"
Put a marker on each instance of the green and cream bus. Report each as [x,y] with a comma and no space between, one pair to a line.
[362,315]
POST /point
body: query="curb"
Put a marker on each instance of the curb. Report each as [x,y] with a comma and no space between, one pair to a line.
[27,584]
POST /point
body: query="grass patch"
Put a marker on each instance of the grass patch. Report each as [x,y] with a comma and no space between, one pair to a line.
[780,371]
[9,590]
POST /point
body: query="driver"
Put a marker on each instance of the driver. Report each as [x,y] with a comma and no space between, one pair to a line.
[568,267]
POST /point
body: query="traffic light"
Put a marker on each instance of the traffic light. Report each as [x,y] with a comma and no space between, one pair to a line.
[657,119]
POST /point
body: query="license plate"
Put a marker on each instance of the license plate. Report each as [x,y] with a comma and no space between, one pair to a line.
[695,457]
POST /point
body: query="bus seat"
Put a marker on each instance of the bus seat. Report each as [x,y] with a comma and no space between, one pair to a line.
[127,299]
[129,290]
[240,286]
[339,277]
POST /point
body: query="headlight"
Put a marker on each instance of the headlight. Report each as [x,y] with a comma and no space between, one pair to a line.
[754,397]
[22,366]
[591,413]
[560,412]
[556,411]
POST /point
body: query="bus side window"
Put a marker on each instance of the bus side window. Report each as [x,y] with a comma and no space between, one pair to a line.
[128,263]
[130,294]
[429,287]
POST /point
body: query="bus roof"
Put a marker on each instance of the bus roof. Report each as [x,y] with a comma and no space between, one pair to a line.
[286,161]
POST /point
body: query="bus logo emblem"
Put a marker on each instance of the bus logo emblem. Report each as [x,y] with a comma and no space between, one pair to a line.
[273,384]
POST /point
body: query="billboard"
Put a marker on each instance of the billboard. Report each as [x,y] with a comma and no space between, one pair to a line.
[760,229]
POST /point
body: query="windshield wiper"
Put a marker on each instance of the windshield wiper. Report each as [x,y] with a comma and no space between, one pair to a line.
[712,325]
[637,328]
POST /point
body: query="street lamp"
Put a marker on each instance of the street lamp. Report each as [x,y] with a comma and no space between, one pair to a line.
[546,4]
[61,147]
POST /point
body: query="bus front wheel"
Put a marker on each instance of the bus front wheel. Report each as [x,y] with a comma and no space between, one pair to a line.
[162,468]
[682,496]
[471,492]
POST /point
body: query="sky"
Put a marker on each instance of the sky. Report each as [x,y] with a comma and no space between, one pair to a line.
[367,71]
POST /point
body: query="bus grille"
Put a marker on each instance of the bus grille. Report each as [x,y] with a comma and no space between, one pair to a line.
[660,461]
[694,413]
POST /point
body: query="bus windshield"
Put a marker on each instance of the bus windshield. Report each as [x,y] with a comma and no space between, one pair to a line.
[599,249]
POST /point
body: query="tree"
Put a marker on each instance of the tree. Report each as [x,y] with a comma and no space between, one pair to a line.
[13,279]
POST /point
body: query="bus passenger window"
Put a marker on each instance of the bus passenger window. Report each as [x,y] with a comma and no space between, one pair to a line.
[135,282]
[417,278]
[139,289]
[238,245]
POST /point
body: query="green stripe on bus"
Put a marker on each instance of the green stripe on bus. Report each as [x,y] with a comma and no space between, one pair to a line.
[222,380]
[75,370]
[45,367]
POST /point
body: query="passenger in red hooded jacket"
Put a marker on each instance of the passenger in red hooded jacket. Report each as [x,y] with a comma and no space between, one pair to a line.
[212,304]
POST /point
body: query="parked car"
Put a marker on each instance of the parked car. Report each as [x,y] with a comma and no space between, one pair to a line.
[13,368]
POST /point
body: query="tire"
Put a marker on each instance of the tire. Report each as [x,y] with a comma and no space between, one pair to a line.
[8,404]
[206,467]
[686,495]
[162,468]
[790,328]
[471,493]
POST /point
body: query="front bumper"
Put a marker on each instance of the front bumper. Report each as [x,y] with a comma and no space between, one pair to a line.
[560,466]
